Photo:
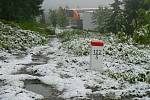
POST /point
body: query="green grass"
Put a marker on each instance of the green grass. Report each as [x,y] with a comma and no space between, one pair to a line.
[37,27]
[33,26]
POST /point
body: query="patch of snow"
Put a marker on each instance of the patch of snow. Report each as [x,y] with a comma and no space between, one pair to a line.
[72,74]
[16,93]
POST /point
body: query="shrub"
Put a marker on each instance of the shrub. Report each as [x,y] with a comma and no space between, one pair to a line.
[37,27]
[40,28]
[78,47]
[142,35]
[122,37]
[12,38]
[68,35]
[130,77]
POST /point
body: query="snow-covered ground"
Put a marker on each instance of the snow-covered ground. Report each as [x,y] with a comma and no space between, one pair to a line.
[72,75]
[13,38]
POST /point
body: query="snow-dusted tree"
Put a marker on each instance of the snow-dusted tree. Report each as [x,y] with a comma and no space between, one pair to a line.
[52,16]
[100,18]
[116,17]
[20,9]
[62,19]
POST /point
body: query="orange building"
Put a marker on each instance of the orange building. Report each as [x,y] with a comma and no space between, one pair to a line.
[74,19]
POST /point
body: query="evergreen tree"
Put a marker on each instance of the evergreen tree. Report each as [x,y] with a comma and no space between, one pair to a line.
[116,18]
[131,13]
[100,18]
[20,9]
[62,19]
[53,17]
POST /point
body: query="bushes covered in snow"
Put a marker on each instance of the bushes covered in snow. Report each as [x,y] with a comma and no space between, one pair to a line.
[129,76]
[78,42]
[78,47]
[142,35]
[127,53]
[122,60]
[16,38]
[73,43]
[127,62]
[69,35]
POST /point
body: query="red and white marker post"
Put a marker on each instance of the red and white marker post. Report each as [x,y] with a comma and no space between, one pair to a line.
[97,55]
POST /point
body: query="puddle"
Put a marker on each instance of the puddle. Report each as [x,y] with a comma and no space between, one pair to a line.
[3,58]
[24,71]
[49,92]
[94,89]
[95,97]
[39,59]
[2,83]
[34,63]
[20,54]
[65,76]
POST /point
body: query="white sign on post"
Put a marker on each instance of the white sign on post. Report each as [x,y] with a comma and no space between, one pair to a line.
[96,55]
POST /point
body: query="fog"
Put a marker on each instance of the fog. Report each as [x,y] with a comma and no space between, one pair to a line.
[53,4]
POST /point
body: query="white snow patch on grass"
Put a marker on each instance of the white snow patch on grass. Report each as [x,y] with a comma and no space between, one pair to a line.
[16,93]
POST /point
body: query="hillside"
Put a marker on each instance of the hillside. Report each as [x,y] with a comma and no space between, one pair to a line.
[14,38]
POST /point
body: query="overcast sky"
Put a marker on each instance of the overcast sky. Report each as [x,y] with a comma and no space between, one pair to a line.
[71,3]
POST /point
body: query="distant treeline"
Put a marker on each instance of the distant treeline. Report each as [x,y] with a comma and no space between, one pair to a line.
[20,10]
[126,18]
[124,15]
